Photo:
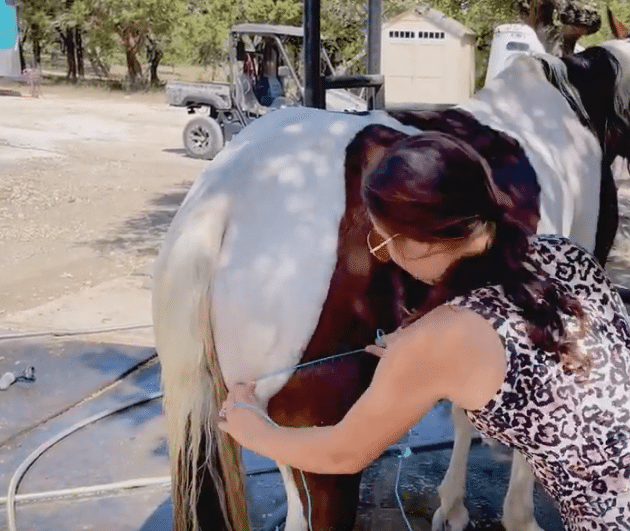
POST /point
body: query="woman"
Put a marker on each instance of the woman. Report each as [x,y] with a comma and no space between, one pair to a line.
[523,332]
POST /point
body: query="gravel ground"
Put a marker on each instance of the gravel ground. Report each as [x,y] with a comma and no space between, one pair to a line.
[88,187]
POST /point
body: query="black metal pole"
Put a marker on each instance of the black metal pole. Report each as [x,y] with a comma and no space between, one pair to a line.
[313,87]
[376,99]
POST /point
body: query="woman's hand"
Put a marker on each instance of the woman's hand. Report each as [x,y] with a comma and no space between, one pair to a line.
[382,342]
[244,424]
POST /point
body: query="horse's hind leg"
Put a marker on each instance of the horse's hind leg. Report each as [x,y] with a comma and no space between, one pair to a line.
[518,506]
[330,503]
[320,396]
[333,500]
[608,220]
[452,514]
[296,512]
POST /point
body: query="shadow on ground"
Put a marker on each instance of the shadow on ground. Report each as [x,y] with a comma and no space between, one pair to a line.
[143,234]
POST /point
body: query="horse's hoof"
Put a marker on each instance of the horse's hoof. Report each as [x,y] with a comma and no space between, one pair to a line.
[456,519]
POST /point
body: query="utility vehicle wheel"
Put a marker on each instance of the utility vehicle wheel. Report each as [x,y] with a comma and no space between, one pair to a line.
[203,137]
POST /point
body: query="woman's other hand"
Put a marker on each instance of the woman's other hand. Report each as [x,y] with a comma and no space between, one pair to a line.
[243,423]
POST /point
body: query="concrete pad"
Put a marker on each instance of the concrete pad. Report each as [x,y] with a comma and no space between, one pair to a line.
[132,445]
[66,371]
[126,511]
[378,509]
[123,446]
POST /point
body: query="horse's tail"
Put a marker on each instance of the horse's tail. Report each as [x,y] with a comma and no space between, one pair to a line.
[206,466]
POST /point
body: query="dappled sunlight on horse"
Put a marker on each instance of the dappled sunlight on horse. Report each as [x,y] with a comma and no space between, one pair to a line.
[266,266]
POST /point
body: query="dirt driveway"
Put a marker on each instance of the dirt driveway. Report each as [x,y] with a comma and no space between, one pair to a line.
[88,186]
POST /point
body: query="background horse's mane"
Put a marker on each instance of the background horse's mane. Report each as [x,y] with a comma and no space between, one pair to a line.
[557,73]
[622,89]
[596,84]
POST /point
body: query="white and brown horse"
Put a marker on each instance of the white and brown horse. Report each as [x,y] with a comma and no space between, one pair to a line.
[265,266]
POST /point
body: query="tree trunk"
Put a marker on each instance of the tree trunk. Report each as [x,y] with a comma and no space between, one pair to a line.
[37,51]
[37,45]
[21,54]
[79,53]
[21,39]
[132,40]
[154,56]
[62,40]
[99,67]
[67,35]
[70,55]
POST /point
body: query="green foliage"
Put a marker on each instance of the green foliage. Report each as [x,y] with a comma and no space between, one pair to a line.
[38,16]
[343,25]
[621,8]
[200,35]
[196,31]
[481,16]
[287,12]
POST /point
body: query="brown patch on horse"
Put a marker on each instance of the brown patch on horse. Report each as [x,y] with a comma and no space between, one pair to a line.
[512,173]
[618,28]
[364,295]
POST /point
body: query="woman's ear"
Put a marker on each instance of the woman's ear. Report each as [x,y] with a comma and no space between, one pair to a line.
[483,240]
[370,145]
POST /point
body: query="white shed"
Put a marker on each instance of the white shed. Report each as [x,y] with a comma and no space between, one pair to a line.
[427,57]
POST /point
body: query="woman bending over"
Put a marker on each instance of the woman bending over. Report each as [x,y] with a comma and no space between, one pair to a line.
[524,332]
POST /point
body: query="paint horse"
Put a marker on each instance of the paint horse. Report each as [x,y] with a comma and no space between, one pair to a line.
[265,266]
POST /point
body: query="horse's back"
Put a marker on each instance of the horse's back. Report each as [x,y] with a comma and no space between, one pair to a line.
[564,153]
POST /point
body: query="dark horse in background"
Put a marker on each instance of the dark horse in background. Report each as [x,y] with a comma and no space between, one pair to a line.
[265,266]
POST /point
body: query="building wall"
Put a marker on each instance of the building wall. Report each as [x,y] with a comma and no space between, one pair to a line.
[9,55]
[437,67]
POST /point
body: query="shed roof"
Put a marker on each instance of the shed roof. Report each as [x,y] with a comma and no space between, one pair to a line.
[438,18]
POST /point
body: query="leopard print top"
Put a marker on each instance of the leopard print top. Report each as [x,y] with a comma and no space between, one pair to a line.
[573,430]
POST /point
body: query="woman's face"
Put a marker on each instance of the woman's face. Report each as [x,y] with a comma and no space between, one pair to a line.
[427,262]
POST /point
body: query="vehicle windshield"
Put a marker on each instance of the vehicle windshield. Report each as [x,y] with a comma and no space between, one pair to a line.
[270,57]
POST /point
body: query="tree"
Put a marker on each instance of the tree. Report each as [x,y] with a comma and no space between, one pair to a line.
[70,32]
[47,21]
[37,24]
[205,29]
[344,26]
[620,8]
[136,23]
[274,11]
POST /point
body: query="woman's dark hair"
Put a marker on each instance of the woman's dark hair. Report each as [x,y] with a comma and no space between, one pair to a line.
[435,187]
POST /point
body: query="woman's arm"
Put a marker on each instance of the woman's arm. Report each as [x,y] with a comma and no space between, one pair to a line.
[452,354]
